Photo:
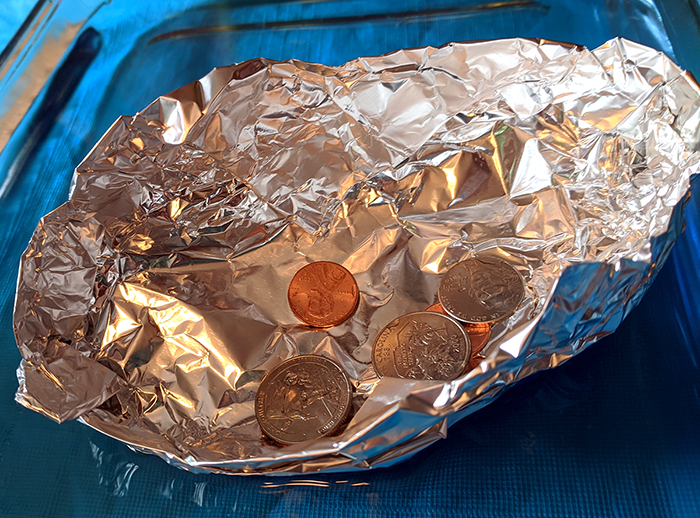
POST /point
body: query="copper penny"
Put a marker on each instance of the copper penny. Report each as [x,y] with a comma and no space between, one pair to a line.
[481,289]
[479,334]
[475,361]
[323,294]
[422,345]
[303,398]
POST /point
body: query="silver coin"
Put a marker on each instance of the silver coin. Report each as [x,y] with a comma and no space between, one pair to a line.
[422,345]
[305,397]
[481,289]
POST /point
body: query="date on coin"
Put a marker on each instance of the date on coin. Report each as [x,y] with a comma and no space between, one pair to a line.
[481,290]
[422,345]
[323,294]
[303,398]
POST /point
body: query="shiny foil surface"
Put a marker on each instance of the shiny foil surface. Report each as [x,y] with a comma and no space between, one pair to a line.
[153,302]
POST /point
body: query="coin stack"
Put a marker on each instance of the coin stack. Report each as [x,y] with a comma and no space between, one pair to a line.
[473,295]
[310,396]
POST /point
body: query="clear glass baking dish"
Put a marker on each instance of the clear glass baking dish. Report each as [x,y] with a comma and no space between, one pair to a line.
[612,432]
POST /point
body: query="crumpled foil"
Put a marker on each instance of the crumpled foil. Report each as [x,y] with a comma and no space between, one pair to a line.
[152,303]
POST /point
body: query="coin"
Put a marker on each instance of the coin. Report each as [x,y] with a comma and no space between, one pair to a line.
[479,334]
[421,345]
[305,397]
[475,361]
[481,289]
[323,294]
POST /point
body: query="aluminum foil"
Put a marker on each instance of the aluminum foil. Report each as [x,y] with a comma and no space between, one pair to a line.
[152,303]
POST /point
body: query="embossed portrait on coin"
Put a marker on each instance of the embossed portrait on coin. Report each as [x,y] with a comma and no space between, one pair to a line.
[321,303]
[485,287]
[488,286]
[299,400]
[293,398]
[426,352]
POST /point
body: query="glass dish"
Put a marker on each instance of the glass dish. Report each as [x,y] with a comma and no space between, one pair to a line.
[612,432]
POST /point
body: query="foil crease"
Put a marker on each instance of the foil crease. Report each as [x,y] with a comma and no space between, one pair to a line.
[151,304]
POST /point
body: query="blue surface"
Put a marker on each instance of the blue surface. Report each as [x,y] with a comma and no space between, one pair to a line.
[613,432]
[12,14]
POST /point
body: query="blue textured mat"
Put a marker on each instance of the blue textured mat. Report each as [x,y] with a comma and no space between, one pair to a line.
[613,432]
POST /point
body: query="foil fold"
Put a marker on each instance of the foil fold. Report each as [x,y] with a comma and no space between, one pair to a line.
[151,304]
